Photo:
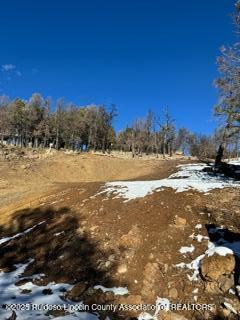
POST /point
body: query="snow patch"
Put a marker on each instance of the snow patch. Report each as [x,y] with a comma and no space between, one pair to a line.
[236,162]
[18,235]
[187,249]
[198,237]
[58,233]
[10,293]
[116,290]
[189,177]
[162,304]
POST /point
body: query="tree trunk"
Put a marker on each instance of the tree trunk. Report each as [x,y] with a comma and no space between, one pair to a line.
[57,140]
[219,155]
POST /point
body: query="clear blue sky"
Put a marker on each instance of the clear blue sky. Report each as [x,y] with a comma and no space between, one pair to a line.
[138,54]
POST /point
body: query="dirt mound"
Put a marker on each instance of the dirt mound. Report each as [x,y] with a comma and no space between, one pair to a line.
[26,179]
[90,167]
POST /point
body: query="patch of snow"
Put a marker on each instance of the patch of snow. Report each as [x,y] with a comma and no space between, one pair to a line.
[230,307]
[222,251]
[116,290]
[187,249]
[18,235]
[232,291]
[11,294]
[58,233]
[198,237]
[195,290]
[162,304]
[198,226]
[236,162]
[187,178]
[233,246]
[146,316]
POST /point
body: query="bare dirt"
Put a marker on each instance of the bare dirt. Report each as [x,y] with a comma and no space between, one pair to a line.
[88,240]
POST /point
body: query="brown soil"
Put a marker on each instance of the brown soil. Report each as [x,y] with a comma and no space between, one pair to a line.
[109,241]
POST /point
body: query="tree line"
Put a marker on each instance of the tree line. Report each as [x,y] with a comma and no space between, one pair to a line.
[38,123]
[34,123]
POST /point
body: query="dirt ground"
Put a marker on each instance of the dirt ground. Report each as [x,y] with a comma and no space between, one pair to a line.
[24,180]
[111,242]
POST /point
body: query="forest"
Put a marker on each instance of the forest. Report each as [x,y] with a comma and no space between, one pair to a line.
[36,123]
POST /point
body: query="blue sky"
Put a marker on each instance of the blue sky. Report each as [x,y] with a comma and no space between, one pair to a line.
[137,54]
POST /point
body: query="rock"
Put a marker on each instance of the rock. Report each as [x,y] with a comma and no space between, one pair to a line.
[225,313]
[215,266]
[226,282]
[212,288]
[21,282]
[122,268]
[13,316]
[223,284]
[97,296]
[232,304]
[26,291]
[130,300]
[111,257]
[132,239]
[108,264]
[179,222]
[47,291]
[218,271]
[173,293]
[76,292]
[151,281]
[151,256]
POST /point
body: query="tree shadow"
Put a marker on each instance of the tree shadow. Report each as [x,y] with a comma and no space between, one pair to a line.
[61,249]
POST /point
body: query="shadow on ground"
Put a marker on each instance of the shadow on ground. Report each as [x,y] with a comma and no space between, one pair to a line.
[62,250]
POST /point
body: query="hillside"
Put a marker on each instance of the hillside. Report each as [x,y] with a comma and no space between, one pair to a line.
[118,232]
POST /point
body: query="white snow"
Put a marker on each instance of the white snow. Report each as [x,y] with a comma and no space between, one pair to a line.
[116,290]
[146,316]
[230,307]
[189,177]
[198,237]
[198,226]
[3,240]
[222,251]
[232,291]
[58,233]
[187,249]
[162,304]
[11,294]
[236,162]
